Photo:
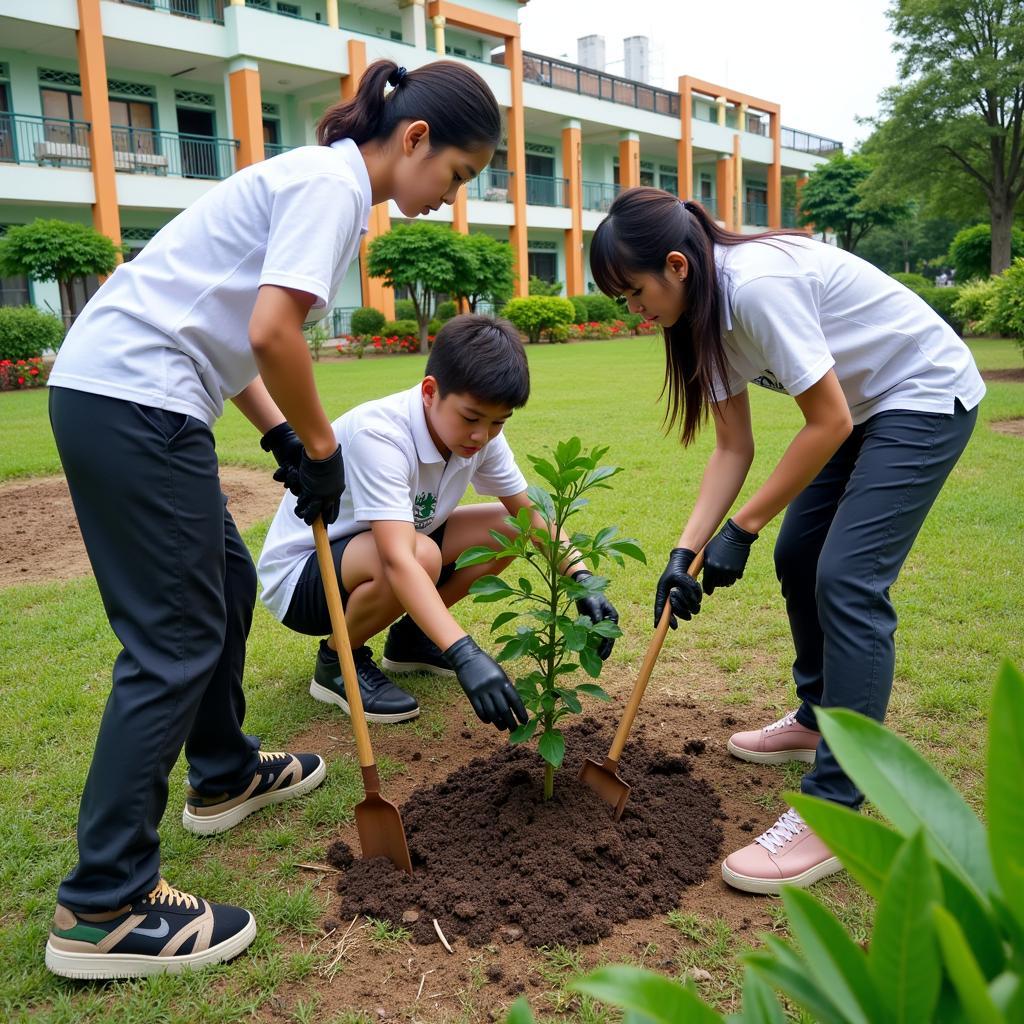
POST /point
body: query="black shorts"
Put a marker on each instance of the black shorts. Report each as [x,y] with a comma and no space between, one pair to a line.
[308,611]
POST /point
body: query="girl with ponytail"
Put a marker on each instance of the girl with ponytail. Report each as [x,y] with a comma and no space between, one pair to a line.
[889,395]
[213,309]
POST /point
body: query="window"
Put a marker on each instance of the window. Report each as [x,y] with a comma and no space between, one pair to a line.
[289,10]
[541,166]
[7,152]
[543,265]
[647,178]
[126,116]
[271,132]
[670,183]
[707,191]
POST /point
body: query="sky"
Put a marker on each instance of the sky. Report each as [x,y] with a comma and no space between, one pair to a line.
[824,61]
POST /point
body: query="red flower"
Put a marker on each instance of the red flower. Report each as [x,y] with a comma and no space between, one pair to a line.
[33,372]
[21,380]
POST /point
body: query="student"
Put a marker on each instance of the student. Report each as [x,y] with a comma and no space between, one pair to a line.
[409,460]
[889,396]
[213,309]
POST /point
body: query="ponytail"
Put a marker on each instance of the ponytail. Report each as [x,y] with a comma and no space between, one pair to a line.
[642,227]
[454,100]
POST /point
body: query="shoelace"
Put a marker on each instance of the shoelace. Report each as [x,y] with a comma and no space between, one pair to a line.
[272,755]
[785,830]
[164,893]
[370,676]
[782,723]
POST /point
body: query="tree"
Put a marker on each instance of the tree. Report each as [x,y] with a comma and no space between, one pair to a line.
[957,115]
[970,250]
[57,250]
[832,200]
[490,277]
[538,286]
[428,259]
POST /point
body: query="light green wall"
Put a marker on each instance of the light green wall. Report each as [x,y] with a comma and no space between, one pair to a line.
[371,23]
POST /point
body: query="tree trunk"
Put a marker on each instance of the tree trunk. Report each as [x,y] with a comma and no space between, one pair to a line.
[423,336]
[1002,223]
[68,314]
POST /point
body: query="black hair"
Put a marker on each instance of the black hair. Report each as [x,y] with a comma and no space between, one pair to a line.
[452,98]
[481,356]
[642,227]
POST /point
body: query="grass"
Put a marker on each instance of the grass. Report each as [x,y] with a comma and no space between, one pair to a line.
[959,600]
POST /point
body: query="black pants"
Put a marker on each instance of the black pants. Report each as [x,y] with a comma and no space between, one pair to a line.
[178,587]
[842,544]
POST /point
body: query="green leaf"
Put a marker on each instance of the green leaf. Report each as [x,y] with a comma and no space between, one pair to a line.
[518,647]
[596,477]
[639,991]
[759,1003]
[546,470]
[629,548]
[833,960]
[909,792]
[525,585]
[904,957]
[475,556]
[572,702]
[575,635]
[976,919]
[519,1012]
[542,503]
[794,982]
[606,628]
[605,535]
[975,1001]
[552,747]
[1003,804]
[591,662]
[593,690]
[567,451]
[501,619]
[490,588]
[524,732]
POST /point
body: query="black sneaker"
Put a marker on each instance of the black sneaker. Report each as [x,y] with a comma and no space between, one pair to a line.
[161,934]
[382,700]
[280,776]
[409,649]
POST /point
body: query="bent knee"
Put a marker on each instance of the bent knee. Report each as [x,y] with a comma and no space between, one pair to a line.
[428,554]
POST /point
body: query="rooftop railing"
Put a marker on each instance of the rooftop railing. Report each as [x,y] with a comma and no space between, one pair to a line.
[145,151]
[45,141]
[197,10]
[808,143]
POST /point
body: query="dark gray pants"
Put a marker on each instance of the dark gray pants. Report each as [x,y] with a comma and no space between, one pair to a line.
[842,544]
[178,586]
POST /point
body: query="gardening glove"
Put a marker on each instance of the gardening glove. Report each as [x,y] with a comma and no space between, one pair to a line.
[726,555]
[597,608]
[678,587]
[489,690]
[286,447]
[321,482]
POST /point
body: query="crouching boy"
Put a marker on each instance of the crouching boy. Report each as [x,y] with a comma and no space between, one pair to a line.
[409,459]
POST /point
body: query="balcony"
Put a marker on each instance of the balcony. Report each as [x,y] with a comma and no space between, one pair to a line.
[44,141]
[790,217]
[544,191]
[755,214]
[492,186]
[807,143]
[145,151]
[274,149]
[196,10]
[560,74]
[599,195]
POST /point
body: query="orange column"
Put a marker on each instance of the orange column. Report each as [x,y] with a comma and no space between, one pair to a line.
[629,160]
[724,187]
[572,171]
[374,291]
[460,223]
[92,66]
[737,183]
[517,233]
[685,156]
[775,172]
[246,111]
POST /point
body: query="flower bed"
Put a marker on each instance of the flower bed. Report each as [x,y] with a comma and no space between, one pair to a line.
[21,374]
[358,345]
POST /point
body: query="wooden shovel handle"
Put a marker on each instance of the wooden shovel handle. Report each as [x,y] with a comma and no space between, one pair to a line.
[653,650]
[343,644]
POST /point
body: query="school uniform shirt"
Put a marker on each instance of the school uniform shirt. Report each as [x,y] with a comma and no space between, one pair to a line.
[393,471]
[170,329]
[793,308]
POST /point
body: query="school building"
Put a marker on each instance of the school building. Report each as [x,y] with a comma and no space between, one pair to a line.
[120,113]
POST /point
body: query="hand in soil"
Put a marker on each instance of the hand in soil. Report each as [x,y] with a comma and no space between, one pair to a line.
[490,691]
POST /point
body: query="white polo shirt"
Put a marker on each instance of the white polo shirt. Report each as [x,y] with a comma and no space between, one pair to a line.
[794,308]
[170,329]
[393,471]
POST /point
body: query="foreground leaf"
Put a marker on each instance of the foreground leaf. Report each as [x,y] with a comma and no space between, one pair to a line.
[975,1001]
[656,998]
[552,747]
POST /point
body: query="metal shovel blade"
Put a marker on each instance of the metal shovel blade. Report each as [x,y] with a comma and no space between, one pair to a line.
[380,825]
[604,780]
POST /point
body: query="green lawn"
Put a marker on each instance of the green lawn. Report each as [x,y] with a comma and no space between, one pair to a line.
[959,599]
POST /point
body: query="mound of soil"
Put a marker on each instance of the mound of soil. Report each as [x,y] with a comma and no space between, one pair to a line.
[490,855]
[1014,427]
[1015,375]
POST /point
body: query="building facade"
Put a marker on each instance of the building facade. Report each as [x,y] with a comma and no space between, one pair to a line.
[120,113]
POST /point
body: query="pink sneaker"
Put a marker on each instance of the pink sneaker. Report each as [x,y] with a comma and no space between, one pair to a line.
[784,740]
[789,853]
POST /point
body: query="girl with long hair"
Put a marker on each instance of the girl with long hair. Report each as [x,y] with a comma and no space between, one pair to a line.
[889,396]
[212,310]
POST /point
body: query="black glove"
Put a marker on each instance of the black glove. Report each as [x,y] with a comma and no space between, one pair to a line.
[726,555]
[489,690]
[321,482]
[678,587]
[598,608]
[286,447]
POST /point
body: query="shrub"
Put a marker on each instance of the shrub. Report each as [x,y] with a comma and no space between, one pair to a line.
[539,313]
[579,303]
[540,287]
[1005,313]
[367,320]
[444,312]
[915,282]
[405,309]
[316,337]
[943,301]
[399,328]
[631,320]
[970,252]
[971,304]
[433,327]
[26,332]
[20,374]
[600,307]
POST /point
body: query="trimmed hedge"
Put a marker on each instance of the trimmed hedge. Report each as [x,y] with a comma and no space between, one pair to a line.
[367,320]
[444,312]
[27,332]
[404,309]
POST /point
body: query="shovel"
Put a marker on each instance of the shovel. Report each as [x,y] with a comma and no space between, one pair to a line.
[377,820]
[604,779]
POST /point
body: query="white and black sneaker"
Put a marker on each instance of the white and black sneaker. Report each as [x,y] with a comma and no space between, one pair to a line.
[409,649]
[383,701]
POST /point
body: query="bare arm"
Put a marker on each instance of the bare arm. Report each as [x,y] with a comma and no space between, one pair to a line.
[282,355]
[256,405]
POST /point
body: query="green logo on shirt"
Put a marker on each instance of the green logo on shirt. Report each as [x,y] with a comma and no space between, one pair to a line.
[423,508]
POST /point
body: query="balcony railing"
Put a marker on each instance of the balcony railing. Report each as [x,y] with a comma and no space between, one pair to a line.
[599,195]
[46,141]
[492,186]
[807,143]
[790,217]
[544,191]
[560,74]
[145,151]
[197,10]
[755,214]
[275,149]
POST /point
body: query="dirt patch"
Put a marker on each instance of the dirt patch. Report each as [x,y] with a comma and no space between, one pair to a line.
[499,861]
[1015,427]
[1016,375]
[43,542]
